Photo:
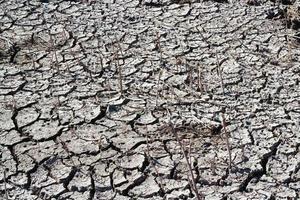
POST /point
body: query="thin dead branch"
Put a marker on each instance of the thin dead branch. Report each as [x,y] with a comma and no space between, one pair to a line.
[191,178]
[226,134]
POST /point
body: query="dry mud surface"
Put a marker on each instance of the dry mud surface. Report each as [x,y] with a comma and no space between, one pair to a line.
[99,100]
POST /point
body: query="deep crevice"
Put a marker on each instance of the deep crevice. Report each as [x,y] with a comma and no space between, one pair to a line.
[260,172]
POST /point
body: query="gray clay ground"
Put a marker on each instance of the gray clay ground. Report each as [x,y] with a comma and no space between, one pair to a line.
[68,130]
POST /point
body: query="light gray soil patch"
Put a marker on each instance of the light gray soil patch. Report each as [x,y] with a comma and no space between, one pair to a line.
[125,99]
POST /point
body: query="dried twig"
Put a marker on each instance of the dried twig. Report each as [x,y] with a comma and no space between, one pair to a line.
[160,183]
[158,83]
[51,42]
[200,82]
[213,165]
[158,45]
[178,63]
[119,72]
[287,19]
[5,187]
[117,62]
[226,134]
[220,74]
[161,63]
[192,182]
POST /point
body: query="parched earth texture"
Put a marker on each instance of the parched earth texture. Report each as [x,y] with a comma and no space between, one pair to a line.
[128,99]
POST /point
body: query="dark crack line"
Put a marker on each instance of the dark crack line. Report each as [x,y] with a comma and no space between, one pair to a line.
[135,183]
[259,173]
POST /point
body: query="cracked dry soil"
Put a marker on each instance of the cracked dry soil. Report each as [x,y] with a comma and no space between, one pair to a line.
[97,96]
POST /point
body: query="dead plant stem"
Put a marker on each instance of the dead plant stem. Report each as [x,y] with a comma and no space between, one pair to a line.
[193,180]
[220,74]
[226,134]
[5,186]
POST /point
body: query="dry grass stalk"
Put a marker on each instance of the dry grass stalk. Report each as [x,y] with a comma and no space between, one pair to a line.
[161,63]
[5,186]
[158,83]
[116,59]
[65,38]
[190,75]
[178,63]
[226,134]
[289,48]
[291,13]
[244,157]
[219,70]
[66,148]
[161,182]
[33,60]
[200,81]
[213,166]
[191,179]
[64,27]
[158,45]
[100,60]
[51,42]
